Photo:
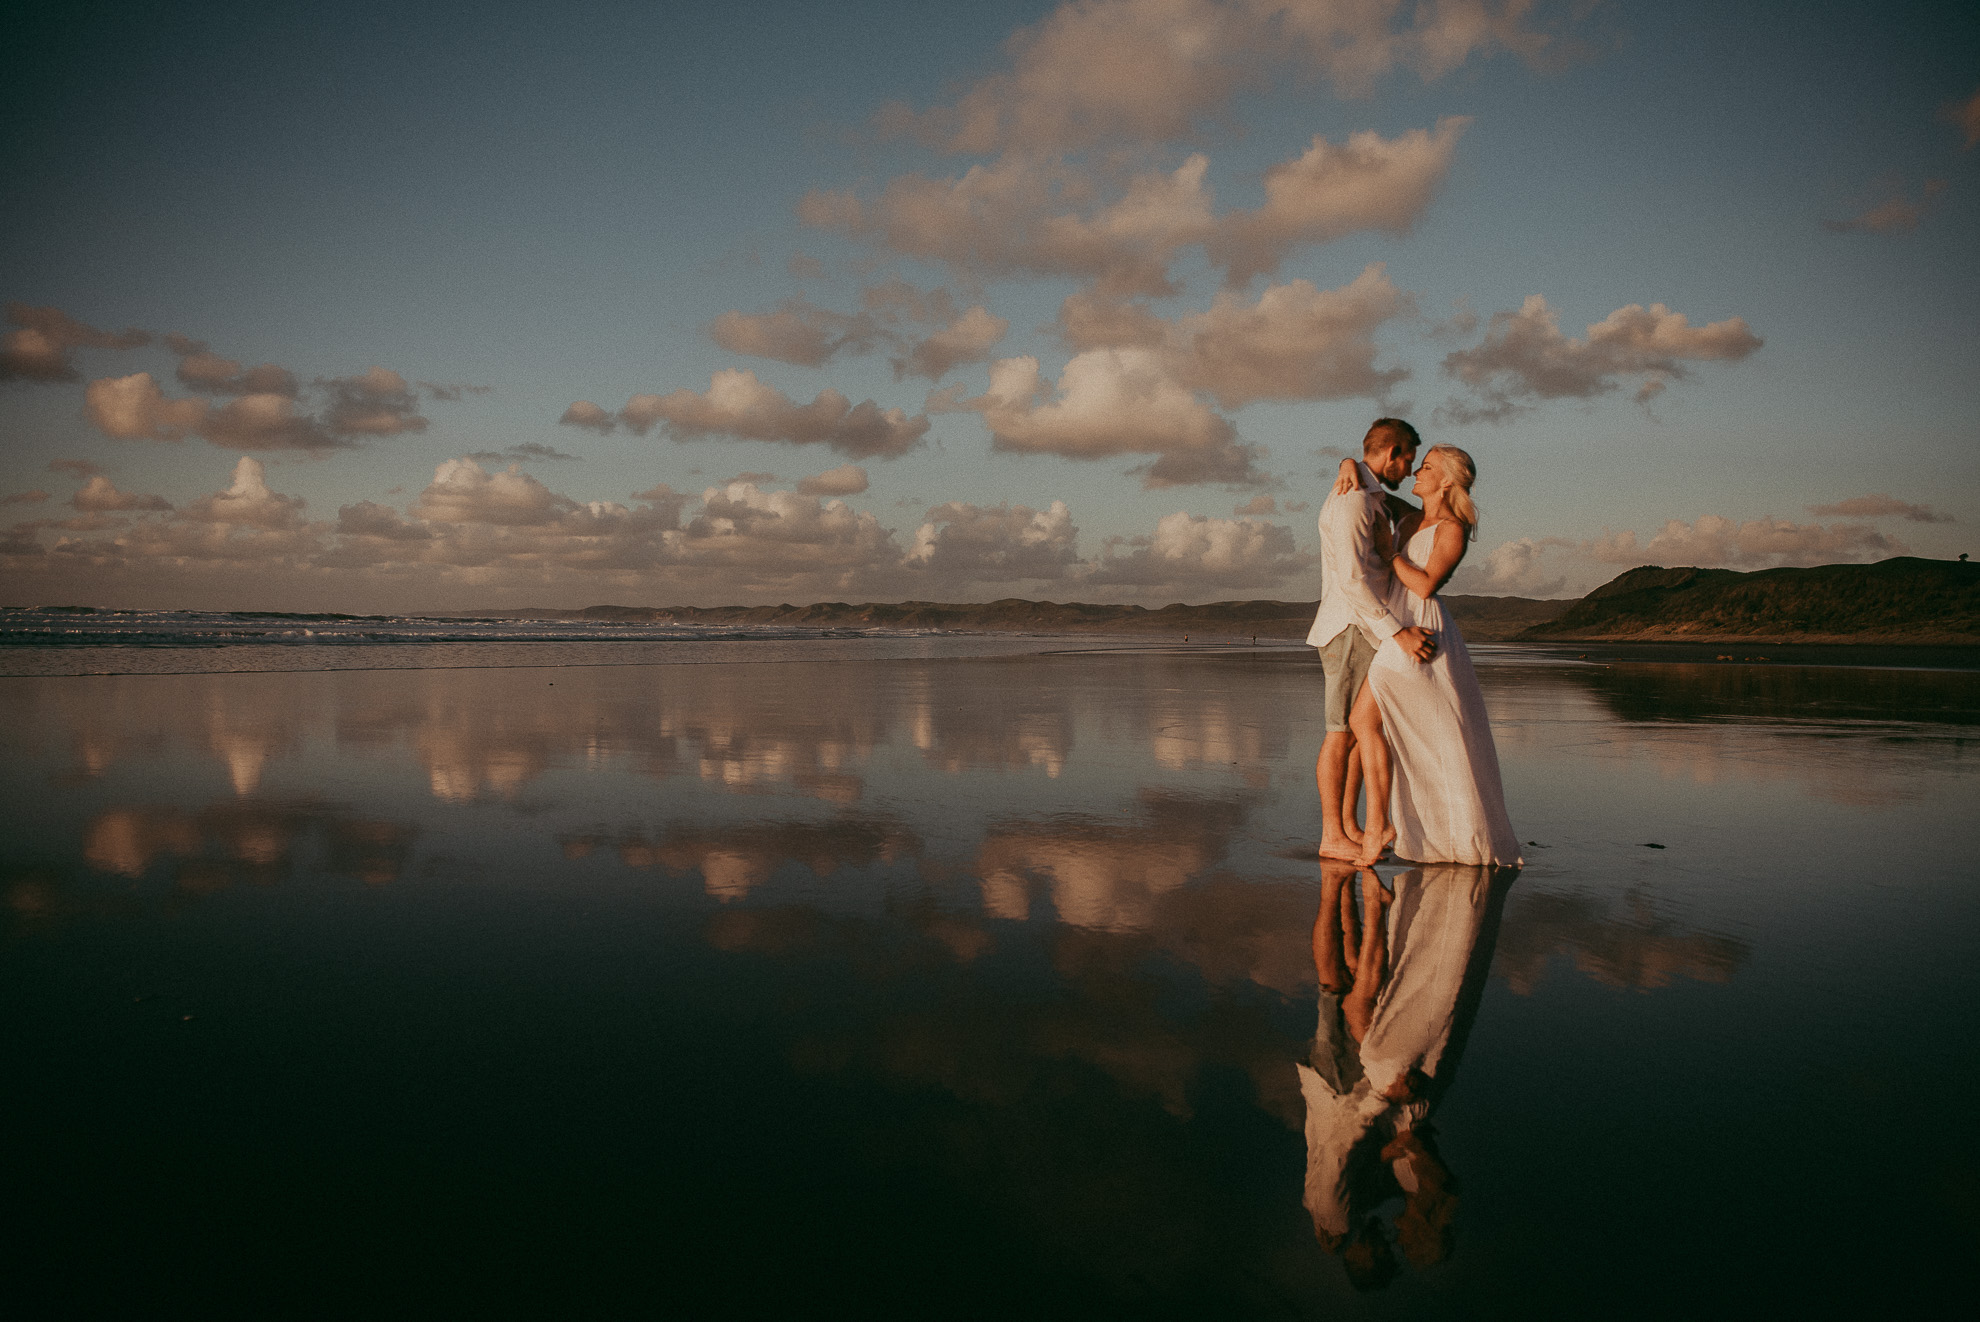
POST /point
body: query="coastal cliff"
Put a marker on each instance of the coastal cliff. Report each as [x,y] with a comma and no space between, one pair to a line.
[1904,600]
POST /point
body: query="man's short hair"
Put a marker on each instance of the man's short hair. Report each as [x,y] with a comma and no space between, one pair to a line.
[1397,432]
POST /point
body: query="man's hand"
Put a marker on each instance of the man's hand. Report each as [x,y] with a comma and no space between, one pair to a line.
[1384,538]
[1417,644]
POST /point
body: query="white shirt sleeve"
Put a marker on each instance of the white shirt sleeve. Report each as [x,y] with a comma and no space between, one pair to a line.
[1352,542]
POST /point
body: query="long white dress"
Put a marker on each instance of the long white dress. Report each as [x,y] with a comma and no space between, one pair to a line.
[1448,804]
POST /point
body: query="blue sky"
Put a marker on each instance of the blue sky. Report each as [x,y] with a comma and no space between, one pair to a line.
[561,204]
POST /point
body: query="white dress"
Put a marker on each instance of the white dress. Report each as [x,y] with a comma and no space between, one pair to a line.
[1448,804]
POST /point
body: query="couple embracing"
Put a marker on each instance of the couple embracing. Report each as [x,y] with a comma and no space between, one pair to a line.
[1404,711]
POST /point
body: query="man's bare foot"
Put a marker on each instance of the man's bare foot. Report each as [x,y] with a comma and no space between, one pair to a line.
[1374,844]
[1340,849]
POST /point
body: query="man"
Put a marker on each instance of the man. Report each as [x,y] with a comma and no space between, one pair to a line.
[1354,617]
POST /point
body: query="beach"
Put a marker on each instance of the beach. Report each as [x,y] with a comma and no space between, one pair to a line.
[958,981]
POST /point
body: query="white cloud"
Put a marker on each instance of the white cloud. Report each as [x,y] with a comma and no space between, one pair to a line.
[588,415]
[248,502]
[1880,507]
[1145,71]
[266,422]
[845,480]
[462,491]
[1765,543]
[41,346]
[133,408]
[1519,568]
[1190,553]
[1897,213]
[1295,342]
[366,519]
[1112,402]
[1369,183]
[1019,215]
[739,405]
[972,544]
[379,403]
[967,339]
[203,370]
[1524,358]
[100,496]
[798,332]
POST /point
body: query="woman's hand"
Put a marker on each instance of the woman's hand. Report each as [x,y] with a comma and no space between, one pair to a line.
[1349,480]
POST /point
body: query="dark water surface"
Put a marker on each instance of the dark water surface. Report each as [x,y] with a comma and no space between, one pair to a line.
[974,987]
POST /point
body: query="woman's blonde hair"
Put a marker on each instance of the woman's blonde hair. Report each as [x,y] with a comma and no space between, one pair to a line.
[1462,473]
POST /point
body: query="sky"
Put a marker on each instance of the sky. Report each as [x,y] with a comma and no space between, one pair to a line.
[456,307]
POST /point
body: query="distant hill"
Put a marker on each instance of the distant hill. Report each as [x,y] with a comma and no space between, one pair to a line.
[1903,600]
[1483,619]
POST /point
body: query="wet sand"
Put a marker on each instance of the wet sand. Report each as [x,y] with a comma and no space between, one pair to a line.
[972,984]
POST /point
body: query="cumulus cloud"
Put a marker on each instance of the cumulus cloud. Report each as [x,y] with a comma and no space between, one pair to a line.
[737,404]
[1143,71]
[1295,342]
[1524,567]
[379,403]
[24,498]
[967,339]
[798,331]
[1112,402]
[741,525]
[205,371]
[133,408]
[1193,552]
[1524,357]
[1369,183]
[1258,505]
[974,544]
[248,502]
[1898,213]
[588,415]
[1715,541]
[366,519]
[845,480]
[100,496]
[1880,507]
[41,346]
[462,491]
[266,422]
[525,452]
[1017,215]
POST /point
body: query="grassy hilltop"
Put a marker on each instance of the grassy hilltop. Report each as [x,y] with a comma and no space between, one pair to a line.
[1898,601]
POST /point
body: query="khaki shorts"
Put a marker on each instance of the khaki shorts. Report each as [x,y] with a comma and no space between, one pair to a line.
[1345,661]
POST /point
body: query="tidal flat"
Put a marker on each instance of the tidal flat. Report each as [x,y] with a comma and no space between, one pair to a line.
[969,986]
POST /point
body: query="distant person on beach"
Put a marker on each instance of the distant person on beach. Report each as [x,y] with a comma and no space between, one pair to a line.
[1419,721]
[1355,618]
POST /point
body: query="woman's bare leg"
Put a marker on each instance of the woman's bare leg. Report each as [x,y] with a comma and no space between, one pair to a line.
[1371,961]
[1366,722]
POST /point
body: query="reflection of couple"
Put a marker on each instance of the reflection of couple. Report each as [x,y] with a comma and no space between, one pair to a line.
[1404,711]
[1399,984]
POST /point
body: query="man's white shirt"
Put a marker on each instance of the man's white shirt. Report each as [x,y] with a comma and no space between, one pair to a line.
[1354,581]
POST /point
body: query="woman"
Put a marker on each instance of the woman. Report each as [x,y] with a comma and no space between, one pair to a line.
[1425,722]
